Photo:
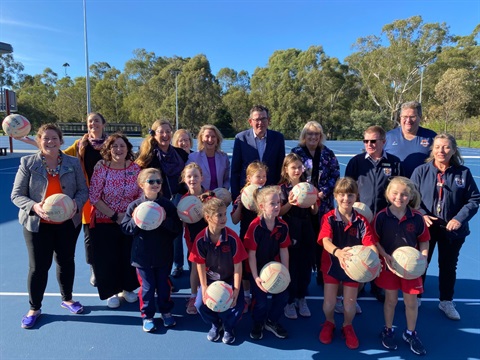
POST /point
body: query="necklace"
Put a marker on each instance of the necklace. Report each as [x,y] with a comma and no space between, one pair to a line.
[53,172]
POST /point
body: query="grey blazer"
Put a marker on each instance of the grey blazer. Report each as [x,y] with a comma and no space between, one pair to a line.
[31,184]
[222,165]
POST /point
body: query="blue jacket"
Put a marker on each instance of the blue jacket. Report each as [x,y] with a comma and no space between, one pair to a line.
[245,152]
[461,195]
[153,248]
[31,184]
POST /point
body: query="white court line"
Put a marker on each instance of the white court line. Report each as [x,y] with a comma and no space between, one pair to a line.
[188,295]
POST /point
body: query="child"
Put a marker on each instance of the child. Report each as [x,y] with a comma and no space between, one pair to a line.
[400,225]
[267,240]
[300,228]
[192,177]
[341,228]
[152,251]
[218,254]
[256,175]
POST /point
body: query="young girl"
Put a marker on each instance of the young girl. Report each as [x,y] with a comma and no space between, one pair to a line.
[400,225]
[267,240]
[192,177]
[341,228]
[302,236]
[256,175]
[152,251]
[218,254]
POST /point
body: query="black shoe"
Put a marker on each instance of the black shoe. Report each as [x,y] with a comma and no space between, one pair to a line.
[257,331]
[276,329]
[215,332]
[415,344]
[388,339]
[93,279]
[177,272]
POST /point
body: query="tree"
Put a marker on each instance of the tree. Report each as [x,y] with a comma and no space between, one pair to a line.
[9,70]
[391,74]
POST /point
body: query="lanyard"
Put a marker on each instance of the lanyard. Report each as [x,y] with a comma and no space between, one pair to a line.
[440,182]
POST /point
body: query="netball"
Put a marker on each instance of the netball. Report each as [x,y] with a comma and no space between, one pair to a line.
[247,198]
[364,265]
[190,209]
[219,296]
[305,194]
[408,262]
[149,215]
[363,210]
[224,195]
[16,126]
[275,277]
[58,207]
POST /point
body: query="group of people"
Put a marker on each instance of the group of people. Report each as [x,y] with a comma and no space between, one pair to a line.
[388,177]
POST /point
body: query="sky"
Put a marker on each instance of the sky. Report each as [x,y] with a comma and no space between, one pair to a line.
[241,35]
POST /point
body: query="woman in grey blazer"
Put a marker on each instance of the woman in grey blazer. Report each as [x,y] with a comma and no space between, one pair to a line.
[42,174]
[211,159]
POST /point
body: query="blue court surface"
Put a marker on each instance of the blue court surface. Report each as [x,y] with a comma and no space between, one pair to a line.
[103,333]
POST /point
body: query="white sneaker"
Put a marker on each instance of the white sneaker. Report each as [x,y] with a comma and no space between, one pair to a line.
[129,296]
[290,311]
[419,301]
[339,305]
[303,309]
[358,309]
[113,302]
[448,307]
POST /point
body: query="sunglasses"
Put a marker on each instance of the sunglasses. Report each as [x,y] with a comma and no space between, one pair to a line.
[153,181]
[374,141]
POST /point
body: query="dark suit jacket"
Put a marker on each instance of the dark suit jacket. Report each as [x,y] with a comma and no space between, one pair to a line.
[245,151]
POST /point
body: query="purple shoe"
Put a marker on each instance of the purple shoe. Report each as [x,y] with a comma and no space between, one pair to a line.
[75,308]
[29,321]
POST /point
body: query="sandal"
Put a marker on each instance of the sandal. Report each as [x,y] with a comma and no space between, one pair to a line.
[75,308]
[29,321]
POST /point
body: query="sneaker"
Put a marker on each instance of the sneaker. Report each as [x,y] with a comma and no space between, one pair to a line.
[419,301]
[415,344]
[228,337]
[248,302]
[448,307]
[129,296]
[326,334]
[358,309]
[388,338]
[257,331]
[214,333]
[303,309]
[149,325]
[351,339]
[191,309]
[113,302]
[168,320]
[290,311]
[276,329]
[339,305]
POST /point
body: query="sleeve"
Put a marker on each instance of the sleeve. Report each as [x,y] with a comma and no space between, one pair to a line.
[333,173]
[325,229]
[236,168]
[350,170]
[96,184]
[72,150]
[226,174]
[128,224]
[423,232]
[21,190]
[196,255]
[416,178]
[471,200]
[368,237]
[249,239]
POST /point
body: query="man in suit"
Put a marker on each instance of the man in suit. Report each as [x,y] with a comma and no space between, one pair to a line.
[257,143]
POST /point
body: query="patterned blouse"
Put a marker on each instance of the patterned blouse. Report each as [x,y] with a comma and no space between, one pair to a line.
[328,174]
[116,187]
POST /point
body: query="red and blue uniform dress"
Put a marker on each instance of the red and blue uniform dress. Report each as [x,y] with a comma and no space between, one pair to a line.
[302,249]
[357,232]
[219,259]
[267,245]
[152,256]
[393,233]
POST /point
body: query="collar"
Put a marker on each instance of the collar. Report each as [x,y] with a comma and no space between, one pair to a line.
[256,137]
[408,213]
[223,236]
[384,156]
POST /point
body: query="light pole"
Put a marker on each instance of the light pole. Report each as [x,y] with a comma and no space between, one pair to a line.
[421,67]
[176,72]
[87,78]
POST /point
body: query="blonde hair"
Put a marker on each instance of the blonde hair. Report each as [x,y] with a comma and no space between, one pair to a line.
[252,168]
[290,158]
[146,148]
[412,190]
[177,135]
[261,194]
[308,126]
[456,159]
[190,166]
[211,204]
[218,134]
[144,174]
[345,185]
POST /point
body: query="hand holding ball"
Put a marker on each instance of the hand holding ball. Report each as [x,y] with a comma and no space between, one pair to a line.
[148,215]
[58,207]
[16,126]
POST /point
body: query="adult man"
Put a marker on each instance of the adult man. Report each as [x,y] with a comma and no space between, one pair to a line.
[410,142]
[373,169]
[257,143]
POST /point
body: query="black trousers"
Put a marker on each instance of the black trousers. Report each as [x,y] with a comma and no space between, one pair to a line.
[51,241]
[448,252]
[111,260]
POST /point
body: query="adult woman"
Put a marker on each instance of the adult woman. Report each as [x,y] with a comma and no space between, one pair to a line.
[322,170]
[87,149]
[112,188]
[40,175]
[183,139]
[211,159]
[156,151]
[450,198]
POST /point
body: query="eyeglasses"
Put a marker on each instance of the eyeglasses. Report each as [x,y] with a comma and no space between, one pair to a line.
[163,132]
[313,134]
[408,117]
[260,120]
[153,181]
[373,141]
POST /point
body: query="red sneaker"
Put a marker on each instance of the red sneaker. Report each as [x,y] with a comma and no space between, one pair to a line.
[326,334]
[350,338]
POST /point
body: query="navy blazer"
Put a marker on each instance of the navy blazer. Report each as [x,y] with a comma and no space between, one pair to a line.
[245,151]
